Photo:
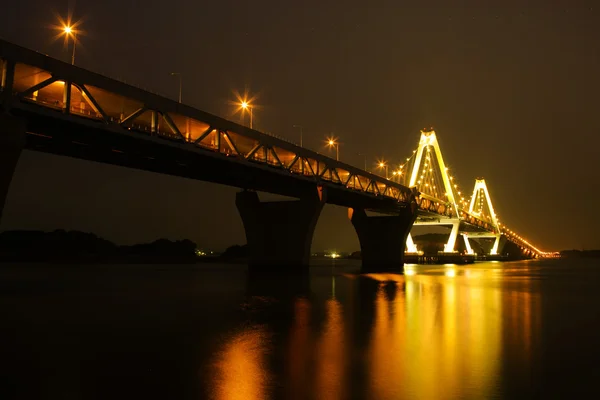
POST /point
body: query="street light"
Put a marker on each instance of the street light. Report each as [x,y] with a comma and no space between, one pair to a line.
[299,126]
[247,106]
[69,31]
[333,142]
[397,174]
[179,75]
[383,164]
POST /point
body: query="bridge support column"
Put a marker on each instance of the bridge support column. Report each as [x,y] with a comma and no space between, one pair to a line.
[12,141]
[467,244]
[449,247]
[279,233]
[496,247]
[382,238]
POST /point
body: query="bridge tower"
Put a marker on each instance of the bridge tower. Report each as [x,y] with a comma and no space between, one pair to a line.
[482,207]
[429,168]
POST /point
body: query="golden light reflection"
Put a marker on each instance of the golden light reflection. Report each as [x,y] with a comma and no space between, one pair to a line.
[331,362]
[436,337]
[299,350]
[387,343]
[240,368]
[522,321]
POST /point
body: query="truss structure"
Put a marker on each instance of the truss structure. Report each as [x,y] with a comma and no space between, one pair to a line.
[40,84]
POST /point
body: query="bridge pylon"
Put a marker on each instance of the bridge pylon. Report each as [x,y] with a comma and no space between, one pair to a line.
[430,176]
[482,207]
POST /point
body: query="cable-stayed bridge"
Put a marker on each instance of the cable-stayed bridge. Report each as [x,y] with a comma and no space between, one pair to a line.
[469,216]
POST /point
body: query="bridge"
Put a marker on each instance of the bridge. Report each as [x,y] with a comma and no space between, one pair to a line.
[472,218]
[50,106]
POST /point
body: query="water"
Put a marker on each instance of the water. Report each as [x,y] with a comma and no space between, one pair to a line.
[490,330]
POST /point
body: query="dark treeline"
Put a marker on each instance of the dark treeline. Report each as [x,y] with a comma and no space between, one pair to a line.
[75,246]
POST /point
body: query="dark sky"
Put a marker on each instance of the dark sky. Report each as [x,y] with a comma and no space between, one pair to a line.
[511,90]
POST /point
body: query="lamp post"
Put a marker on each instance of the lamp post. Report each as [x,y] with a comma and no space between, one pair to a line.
[299,126]
[383,164]
[70,32]
[333,142]
[246,106]
[179,75]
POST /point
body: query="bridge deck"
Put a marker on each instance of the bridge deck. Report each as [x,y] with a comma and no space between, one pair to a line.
[79,113]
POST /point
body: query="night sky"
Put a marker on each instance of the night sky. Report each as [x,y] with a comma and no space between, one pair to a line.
[511,90]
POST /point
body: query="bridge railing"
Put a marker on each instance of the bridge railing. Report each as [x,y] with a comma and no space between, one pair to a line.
[521,242]
[32,81]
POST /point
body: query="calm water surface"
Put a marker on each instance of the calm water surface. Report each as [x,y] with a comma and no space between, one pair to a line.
[489,330]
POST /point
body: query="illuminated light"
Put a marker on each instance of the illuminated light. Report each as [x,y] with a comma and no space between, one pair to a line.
[244,105]
[409,272]
[67,29]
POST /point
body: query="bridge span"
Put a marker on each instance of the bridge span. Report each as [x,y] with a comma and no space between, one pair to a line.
[50,106]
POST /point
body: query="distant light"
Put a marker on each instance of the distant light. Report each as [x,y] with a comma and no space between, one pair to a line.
[244,104]
[201,253]
[68,30]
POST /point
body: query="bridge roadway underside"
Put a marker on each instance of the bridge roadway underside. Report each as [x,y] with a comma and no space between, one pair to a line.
[94,141]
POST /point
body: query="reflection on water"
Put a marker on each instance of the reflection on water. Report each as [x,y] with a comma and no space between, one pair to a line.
[299,345]
[431,333]
[240,369]
[437,332]
[330,354]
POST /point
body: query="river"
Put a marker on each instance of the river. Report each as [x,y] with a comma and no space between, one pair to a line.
[510,330]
